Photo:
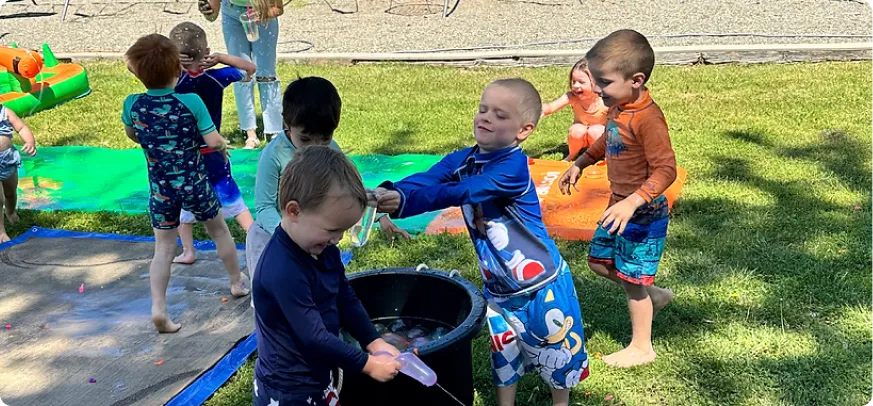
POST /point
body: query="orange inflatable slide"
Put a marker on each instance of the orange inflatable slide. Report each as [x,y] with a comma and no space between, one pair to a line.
[30,82]
[572,217]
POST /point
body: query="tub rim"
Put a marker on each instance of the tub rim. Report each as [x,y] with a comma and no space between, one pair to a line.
[475,320]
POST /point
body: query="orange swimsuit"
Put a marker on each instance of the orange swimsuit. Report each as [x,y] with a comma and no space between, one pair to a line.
[593,114]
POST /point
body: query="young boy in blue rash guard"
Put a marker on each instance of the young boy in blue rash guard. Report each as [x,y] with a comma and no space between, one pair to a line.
[533,312]
[198,77]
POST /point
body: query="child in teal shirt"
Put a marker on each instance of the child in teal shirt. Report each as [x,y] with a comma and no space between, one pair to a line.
[311,111]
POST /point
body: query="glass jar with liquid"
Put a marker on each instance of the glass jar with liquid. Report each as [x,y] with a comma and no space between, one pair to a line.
[360,233]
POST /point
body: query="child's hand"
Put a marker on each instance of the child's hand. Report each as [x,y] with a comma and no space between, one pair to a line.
[371,197]
[382,345]
[382,368]
[224,149]
[617,216]
[209,61]
[185,59]
[388,201]
[29,148]
[569,178]
[389,228]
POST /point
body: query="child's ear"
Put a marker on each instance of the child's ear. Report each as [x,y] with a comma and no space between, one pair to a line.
[638,80]
[291,210]
[526,131]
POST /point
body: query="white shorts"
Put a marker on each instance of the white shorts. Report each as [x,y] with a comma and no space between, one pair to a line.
[230,211]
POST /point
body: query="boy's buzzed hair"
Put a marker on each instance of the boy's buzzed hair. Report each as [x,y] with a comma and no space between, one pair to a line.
[311,175]
[313,104]
[154,60]
[625,51]
[530,104]
[191,40]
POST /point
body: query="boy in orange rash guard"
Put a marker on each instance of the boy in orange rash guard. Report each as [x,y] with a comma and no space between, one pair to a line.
[628,245]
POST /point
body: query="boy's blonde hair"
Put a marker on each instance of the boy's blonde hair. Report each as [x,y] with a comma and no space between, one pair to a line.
[191,40]
[624,51]
[154,60]
[530,104]
[313,172]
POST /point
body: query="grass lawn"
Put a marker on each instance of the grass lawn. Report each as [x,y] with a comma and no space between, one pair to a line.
[768,250]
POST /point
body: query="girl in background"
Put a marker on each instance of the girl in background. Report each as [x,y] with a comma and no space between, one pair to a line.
[588,109]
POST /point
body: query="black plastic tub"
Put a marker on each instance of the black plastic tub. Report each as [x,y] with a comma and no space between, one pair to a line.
[429,296]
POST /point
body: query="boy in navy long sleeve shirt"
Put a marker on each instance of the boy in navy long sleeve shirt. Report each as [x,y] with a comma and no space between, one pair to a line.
[533,312]
[302,297]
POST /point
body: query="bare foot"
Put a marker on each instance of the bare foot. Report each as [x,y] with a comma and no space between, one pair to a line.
[661,297]
[4,238]
[12,218]
[630,357]
[164,324]
[186,257]
[240,288]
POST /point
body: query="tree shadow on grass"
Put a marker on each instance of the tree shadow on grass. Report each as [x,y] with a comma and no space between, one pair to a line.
[783,249]
[398,142]
[408,140]
[788,275]
[722,245]
[538,153]
[780,248]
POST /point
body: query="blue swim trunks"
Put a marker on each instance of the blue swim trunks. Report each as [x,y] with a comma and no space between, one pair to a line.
[637,252]
[10,161]
[541,331]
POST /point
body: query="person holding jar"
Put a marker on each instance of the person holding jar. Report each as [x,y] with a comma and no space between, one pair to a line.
[251,32]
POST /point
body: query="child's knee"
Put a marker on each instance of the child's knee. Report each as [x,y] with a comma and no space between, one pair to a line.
[594,132]
[165,242]
[578,132]
[599,268]
[165,250]
[635,291]
[9,192]
[216,227]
